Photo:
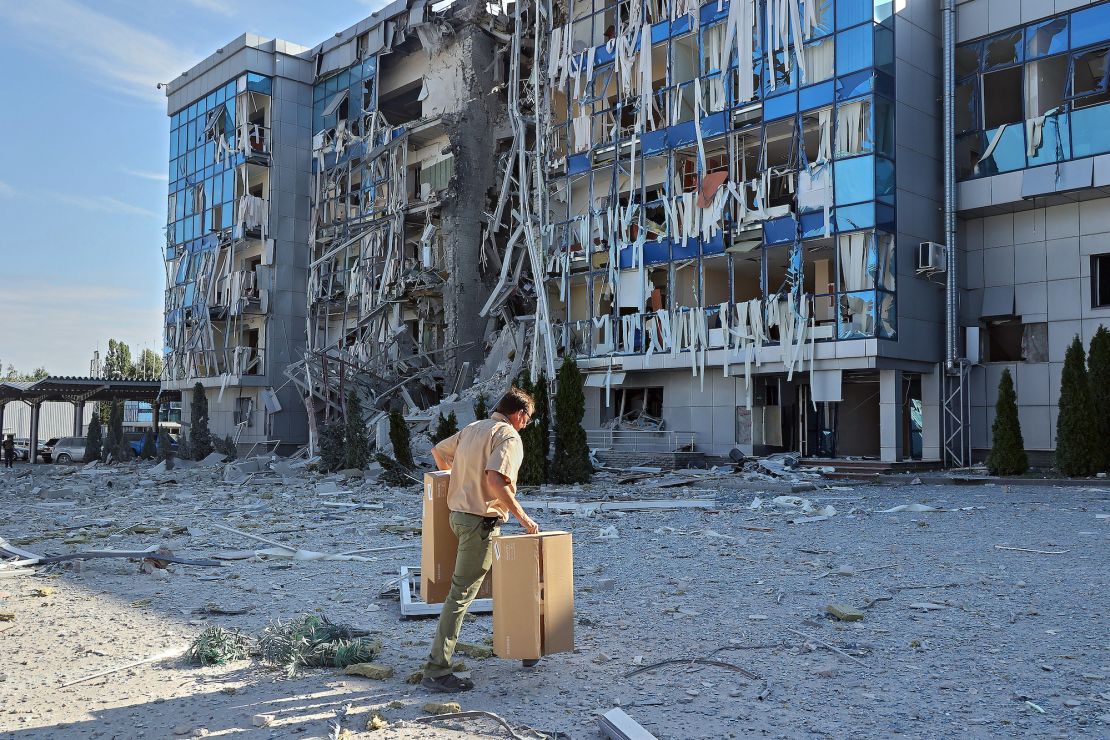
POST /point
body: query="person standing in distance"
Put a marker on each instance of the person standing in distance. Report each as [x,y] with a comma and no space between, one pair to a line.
[484,459]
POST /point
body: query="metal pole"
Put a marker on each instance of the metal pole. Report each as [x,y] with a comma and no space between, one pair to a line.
[34,441]
[951,324]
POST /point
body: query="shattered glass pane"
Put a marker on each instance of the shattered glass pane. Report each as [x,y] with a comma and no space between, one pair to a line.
[884,261]
[1005,150]
[888,316]
[1088,130]
[1003,49]
[1050,37]
[1051,140]
[1089,78]
[967,59]
[966,99]
[857,315]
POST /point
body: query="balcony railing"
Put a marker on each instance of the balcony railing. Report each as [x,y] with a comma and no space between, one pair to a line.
[212,363]
[640,440]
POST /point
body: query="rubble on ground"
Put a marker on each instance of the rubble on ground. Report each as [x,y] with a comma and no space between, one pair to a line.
[707,602]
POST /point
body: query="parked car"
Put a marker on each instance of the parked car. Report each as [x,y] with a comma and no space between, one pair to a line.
[69,449]
[46,449]
[22,449]
[135,439]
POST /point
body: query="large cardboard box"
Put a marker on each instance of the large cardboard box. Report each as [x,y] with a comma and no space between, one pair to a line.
[438,543]
[533,595]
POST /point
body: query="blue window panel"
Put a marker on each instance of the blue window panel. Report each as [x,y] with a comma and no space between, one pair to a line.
[343,79]
[884,178]
[182,270]
[370,67]
[259,83]
[709,12]
[858,320]
[854,218]
[682,134]
[679,252]
[855,180]
[714,124]
[603,55]
[884,217]
[852,12]
[1055,141]
[660,32]
[884,84]
[624,257]
[1050,37]
[854,49]
[680,25]
[887,315]
[780,230]
[884,9]
[815,96]
[780,106]
[1009,155]
[824,14]
[190,291]
[657,252]
[854,85]
[884,49]
[1090,26]
[1088,130]
[715,245]
[813,224]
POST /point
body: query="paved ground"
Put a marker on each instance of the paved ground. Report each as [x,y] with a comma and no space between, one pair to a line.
[960,637]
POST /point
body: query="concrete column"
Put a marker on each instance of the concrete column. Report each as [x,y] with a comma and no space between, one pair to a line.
[890,415]
[156,409]
[35,432]
[931,406]
[3,405]
[78,418]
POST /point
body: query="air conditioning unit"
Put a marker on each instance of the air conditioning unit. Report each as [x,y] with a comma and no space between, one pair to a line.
[931,257]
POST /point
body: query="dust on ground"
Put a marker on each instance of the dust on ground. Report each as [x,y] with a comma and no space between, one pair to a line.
[985,617]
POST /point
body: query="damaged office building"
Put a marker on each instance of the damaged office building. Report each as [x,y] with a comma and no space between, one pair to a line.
[764,225]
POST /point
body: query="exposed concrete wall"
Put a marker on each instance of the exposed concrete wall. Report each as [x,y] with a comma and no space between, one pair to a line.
[469,128]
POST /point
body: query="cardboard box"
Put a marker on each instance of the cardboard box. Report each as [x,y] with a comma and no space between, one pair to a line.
[438,543]
[533,595]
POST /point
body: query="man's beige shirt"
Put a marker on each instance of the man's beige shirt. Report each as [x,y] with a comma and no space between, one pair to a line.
[488,444]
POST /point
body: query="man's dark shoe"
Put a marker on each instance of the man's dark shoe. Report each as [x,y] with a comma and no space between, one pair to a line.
[530,662]
[448,684]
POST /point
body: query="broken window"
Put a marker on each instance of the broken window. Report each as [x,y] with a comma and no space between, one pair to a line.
[820,58]
[1002,96]
[1100,281]
[817,135]
[1045,83]
[685,284]
[967,117]
[644,405]
[683,104]
[685,59]
[1004,339]
[854,130]
[715,289]
[1003,49]
[857,315]
[1089,78]
[712,47]
[243,409]
[1050,37]
[746,269]
[967,59]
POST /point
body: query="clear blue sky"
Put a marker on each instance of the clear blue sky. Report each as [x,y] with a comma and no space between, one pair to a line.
[83,159]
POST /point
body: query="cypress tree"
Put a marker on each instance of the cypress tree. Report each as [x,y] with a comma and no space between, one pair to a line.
[480,410]
[357,439]
[445,427]
[1098,372]
[332,454]
[543,423]
[1007,456]
[200,438]
[148,448]
[93,438]
[401,439]
[1076,447]
[572,454]
[531,468]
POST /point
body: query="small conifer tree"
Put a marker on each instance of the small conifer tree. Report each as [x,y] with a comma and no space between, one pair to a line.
[445,427]
[332,454]
[1076,446]
[93,438]
[357,439]
[531,467]
[402,440]
[572,453]
[200,438]
[543,421]
[1098,371]
[149,447]
[480,410]
[1007,455]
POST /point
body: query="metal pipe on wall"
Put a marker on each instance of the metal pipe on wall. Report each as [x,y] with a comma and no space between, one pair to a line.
[951,305]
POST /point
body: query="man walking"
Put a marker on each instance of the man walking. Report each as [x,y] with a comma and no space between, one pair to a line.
[9,451]
[483,459]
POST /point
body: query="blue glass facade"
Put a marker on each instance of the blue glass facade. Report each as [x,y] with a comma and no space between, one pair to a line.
[1035,94]
[811,157]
